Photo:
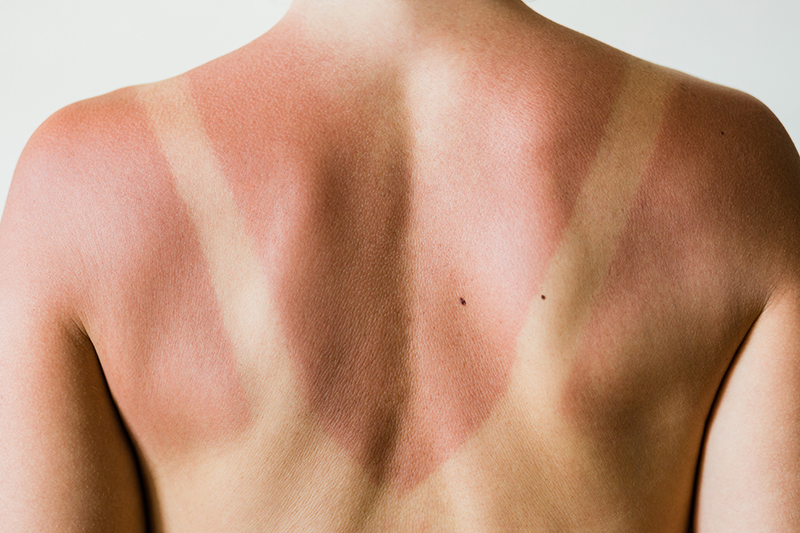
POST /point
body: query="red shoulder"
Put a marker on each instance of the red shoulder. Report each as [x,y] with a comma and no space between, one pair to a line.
[83,143]
[740,169]
[70,462]
[84,172]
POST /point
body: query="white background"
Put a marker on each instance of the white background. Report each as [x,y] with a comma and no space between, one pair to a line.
[54,52]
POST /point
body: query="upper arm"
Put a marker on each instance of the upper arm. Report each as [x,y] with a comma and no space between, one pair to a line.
[750,472]
[749,477]
[67,462]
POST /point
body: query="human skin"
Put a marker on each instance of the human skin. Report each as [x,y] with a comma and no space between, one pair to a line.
[400,266]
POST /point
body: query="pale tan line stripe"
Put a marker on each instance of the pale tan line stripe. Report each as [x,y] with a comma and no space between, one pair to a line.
[522,445]
[236,275]
[283,435]
[517,444]
[583,258]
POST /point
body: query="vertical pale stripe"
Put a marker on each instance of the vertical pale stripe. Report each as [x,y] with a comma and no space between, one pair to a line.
[236,275]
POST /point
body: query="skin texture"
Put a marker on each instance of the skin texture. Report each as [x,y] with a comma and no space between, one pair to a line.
[405,266]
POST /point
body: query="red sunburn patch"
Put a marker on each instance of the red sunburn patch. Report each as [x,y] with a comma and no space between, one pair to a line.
[398,369]
[403,321]
[401,297]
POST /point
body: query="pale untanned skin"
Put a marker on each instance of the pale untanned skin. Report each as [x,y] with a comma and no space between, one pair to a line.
[405,266]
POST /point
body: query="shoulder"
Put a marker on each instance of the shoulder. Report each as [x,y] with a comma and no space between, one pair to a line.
[729,158]
[82,132]
[79,149]
[726,123]
[85,142]
[60,435]
[87,172]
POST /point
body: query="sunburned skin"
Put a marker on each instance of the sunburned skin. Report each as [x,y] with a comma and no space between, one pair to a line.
[459,288]
[165,372]
[398,373]
[367,322]
[386,319]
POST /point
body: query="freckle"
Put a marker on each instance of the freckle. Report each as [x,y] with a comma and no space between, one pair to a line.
[543,297]
[463,301]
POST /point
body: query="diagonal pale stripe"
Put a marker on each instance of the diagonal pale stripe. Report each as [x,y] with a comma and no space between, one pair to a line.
[551,330]
[519,445]
[239,284]
[576,272]
[284,433]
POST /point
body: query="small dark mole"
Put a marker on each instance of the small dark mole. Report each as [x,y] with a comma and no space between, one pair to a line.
[463,301]
[723,133]
[543,297]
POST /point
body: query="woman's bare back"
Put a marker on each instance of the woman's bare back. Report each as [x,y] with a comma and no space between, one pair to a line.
[469,284]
